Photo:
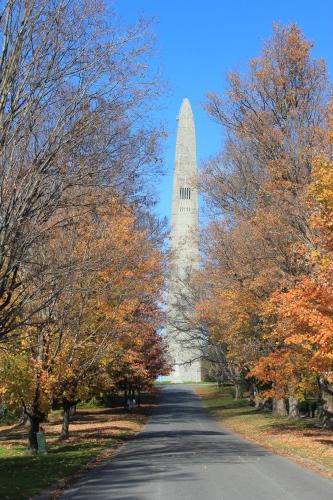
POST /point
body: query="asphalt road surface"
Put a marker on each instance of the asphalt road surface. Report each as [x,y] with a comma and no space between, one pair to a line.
[183,454]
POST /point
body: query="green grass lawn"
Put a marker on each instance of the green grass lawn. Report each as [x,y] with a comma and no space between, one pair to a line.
[22,476]
[302,439]
[95,433]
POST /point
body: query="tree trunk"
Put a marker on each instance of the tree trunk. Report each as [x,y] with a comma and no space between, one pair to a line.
[66,405]
[326,406]
[293,407]
[252,394]
[279,408]
[34,422]
[238,391]
[23,420]
[258,403]
[35,417]
[72,410]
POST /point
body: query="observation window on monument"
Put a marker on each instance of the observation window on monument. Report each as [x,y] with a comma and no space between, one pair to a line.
[185,193]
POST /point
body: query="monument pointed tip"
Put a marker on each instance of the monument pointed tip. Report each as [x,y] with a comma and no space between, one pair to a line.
[185,108]
[186,102]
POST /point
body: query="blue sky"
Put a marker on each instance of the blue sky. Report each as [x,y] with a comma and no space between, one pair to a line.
[199,41]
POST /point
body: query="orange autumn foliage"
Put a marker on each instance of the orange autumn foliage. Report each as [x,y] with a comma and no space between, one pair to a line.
[106,316]
[264,290]
[303,330]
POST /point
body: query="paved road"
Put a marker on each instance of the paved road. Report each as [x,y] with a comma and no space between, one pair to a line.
[183,454]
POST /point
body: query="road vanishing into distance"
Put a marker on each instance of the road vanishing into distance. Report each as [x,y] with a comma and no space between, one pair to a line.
[184,454]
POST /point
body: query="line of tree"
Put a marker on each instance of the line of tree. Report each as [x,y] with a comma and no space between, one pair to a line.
[81,265]
[265,292]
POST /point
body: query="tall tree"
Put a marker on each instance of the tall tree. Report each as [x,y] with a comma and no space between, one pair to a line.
[105,316]
[74,89]
[303,313]
[257,187]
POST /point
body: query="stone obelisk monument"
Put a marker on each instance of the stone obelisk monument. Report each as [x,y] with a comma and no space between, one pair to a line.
[183,350]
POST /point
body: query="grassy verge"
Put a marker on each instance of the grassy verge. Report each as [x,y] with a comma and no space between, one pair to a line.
[301,440]
[96,433]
